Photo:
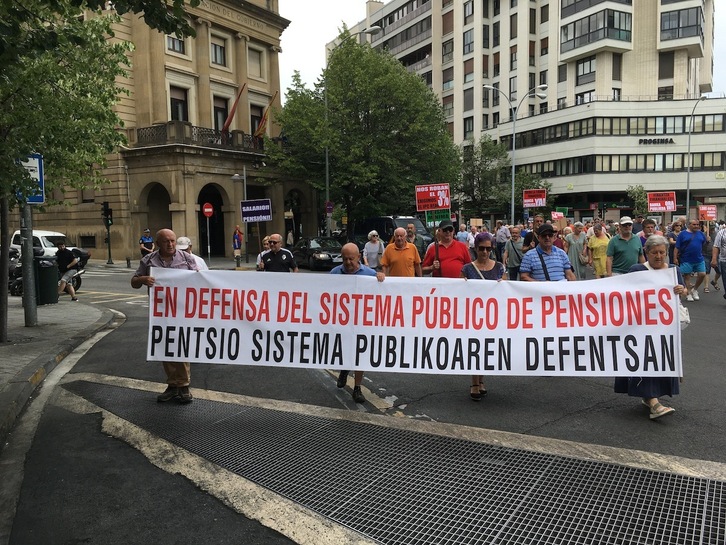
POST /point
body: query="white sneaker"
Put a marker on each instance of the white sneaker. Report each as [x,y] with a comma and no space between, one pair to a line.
[695,295]
[689,297]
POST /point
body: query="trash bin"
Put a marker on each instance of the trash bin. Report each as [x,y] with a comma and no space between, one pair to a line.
[46,281]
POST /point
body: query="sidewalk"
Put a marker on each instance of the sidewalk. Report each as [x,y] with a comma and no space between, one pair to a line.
[33,352]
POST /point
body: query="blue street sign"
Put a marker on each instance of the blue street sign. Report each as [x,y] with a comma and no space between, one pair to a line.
[34,165]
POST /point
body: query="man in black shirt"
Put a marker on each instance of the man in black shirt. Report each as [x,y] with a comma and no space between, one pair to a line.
[67,266]
[278,259]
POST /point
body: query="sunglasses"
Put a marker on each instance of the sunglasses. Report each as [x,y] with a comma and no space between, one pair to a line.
[547,235]
[448,229]
[274,242]
[484,248]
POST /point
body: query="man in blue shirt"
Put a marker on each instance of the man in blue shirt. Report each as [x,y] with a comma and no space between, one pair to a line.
[546,262]
[351,265]
[689,257]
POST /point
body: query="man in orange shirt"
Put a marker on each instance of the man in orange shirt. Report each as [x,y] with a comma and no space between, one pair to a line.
[401,258]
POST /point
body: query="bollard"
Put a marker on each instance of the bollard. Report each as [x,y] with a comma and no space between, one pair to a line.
[128,262]
[238,259]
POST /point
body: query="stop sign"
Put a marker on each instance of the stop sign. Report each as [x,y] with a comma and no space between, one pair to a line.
[208,209]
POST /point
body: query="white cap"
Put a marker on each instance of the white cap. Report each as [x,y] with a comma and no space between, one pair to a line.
[182,243]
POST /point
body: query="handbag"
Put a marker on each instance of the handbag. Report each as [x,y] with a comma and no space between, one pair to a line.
[683,315]
[583,259]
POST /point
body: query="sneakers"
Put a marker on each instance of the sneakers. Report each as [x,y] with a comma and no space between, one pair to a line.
[74,298]
[695,295]
[689,297]
[170,393]
[342,379]
[181,394]
[358,396]
[185,396]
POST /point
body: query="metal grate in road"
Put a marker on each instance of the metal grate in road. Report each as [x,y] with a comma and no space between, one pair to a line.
[403,488]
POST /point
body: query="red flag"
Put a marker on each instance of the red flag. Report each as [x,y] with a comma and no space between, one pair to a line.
[262,127]
[230,116]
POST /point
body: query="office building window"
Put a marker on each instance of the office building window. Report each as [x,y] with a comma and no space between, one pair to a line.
[497,7]
[179,103]
[175,44]
[496,64]
[561,73]
[448,79]
[468,11]
[533,21]
[469,41]
[448,104]
[485,97]
[682,23]
[543,77]
[485,66]
[513,88]
[485,121]
[485,37]
[513,57]
[513,25]
[468,70]
[495,95]
[544,46]
[495,119]
[665,93]
[561,103]
[532,50]
[485,8]
[468,99]
[447,51]
[255,63]
[606,24]
[219,51]
[495,34]
[617,94]
[447,23]
[584,98]
[543,107]
[586,70]
[468,128]
[531,81]
[544,14]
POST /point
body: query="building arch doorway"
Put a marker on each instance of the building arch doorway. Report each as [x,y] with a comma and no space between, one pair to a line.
[157,204]
[216,241]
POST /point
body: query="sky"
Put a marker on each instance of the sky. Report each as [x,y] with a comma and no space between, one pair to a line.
[316,22]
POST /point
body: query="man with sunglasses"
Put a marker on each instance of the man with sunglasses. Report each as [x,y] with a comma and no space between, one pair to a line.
[447,257]
[278,259]
[546,262]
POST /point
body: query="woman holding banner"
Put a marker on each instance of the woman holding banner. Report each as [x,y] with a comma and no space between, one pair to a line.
[485,267]
[650,389]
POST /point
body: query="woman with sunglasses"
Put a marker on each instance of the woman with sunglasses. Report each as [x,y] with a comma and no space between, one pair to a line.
[485,267]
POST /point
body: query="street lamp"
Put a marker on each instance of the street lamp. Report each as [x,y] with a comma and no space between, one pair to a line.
[540,93]
[372,31]
[688,170]
[236,179]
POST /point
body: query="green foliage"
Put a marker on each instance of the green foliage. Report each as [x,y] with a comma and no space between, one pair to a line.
[59,103]
[385,132]
[485,167]
[639,196]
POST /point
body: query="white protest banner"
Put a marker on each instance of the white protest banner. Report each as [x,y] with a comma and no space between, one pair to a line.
[619,326]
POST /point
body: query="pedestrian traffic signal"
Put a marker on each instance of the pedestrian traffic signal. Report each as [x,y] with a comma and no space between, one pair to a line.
[107,214]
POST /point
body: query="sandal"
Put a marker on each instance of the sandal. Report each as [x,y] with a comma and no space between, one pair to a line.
[658,410]
[705,290]
[474,392]
[482,389]
[715,285]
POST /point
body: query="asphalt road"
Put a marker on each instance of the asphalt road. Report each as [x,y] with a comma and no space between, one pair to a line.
[81,485]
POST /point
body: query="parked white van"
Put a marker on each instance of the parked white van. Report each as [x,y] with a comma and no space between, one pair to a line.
[46,240]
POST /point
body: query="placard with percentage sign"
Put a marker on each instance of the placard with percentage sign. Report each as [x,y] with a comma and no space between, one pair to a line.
[433,197]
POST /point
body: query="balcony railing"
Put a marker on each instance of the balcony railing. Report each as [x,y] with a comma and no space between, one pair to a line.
[183,132]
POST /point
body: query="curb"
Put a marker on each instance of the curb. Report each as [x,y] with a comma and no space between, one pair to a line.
[18,392]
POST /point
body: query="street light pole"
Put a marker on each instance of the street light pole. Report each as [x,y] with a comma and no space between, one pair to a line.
[372,31]
[540,93]
[688,170]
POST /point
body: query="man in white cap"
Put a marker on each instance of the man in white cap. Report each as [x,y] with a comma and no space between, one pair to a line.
[185,244]
[624,249]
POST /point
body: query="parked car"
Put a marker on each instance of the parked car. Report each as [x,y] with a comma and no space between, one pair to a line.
[46,240]
[385,225]
[317,252]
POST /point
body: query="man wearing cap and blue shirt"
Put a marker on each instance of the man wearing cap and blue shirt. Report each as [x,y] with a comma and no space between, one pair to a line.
[624,249]
[546,262]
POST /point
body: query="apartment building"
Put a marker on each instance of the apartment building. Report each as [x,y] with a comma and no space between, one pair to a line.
[180,155]
[622,80]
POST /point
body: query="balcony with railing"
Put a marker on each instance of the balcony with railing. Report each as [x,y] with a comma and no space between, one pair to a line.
[183,132]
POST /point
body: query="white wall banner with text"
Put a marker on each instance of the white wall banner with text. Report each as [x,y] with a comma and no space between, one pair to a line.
[620,326]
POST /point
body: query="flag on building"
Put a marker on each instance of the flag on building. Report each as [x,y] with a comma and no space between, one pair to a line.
[230,116]
[262,127]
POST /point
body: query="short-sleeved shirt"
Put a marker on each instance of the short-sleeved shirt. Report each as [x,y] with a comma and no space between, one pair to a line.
[557,264]
[625,253]
[363,270]
[469,271]
[64,258]
[452,259]
[401,261]
[180,260]
[689,246]
[280,261]
[720,243]
[502,235]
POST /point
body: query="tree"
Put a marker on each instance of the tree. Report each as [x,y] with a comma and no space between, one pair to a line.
[485,166]
[383,127]
[639,196]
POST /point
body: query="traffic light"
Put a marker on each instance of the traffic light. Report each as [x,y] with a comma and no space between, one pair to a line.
[107,214]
